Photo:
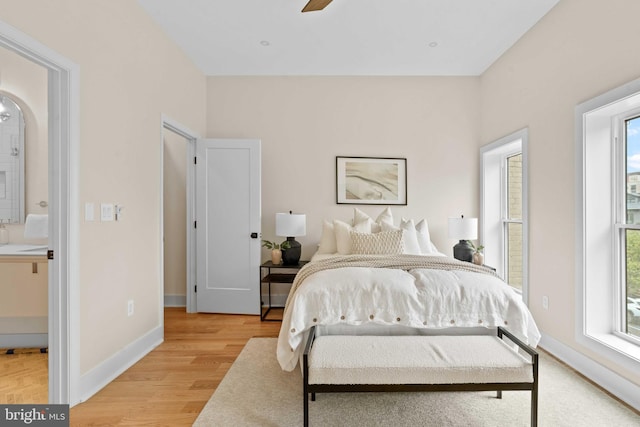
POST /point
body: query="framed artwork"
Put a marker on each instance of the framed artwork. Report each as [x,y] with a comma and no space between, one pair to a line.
[371,181]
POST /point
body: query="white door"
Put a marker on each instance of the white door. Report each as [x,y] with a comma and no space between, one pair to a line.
[228,226]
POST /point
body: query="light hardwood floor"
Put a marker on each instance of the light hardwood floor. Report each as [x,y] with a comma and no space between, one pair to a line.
[23,376]
[171,385]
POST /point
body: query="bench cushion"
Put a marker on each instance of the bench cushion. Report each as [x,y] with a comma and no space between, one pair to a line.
[341,359]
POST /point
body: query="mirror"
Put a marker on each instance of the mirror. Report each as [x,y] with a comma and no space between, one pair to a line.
[11,162]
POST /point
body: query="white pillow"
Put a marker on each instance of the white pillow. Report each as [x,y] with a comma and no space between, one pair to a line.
[424,238]
[328,239]
[410,237]
[343,237]
[382,243]
[384,217]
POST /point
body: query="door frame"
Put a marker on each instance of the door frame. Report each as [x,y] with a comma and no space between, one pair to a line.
[63,132]
[191,137]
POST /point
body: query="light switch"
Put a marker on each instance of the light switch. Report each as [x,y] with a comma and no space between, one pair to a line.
[89,212]
[106,211]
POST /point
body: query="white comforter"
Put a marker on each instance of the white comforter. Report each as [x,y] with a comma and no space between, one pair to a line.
[417,298]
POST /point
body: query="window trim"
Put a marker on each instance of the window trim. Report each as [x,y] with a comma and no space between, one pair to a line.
[594,261]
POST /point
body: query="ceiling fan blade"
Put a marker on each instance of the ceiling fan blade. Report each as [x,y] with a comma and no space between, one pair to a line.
[316,5]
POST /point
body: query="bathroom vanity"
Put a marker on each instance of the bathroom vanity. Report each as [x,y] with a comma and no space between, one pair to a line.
[23,296]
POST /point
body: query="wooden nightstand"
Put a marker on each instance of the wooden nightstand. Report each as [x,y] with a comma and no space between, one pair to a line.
[275,273]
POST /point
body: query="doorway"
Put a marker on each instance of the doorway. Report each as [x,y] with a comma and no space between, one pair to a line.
[177,207]
[63,131]
[178,225]
[23,205]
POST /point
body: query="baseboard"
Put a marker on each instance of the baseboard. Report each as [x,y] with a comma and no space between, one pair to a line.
[24,332]
[94,380]
[175,300]
[24,341]
[614,383]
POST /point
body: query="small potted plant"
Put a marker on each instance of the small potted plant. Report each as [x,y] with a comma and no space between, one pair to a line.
[276,252]
[478,256]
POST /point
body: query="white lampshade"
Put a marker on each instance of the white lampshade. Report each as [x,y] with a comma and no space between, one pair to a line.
[463,228]
[291,225]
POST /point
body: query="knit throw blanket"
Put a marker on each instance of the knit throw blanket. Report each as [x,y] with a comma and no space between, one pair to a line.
[403,262]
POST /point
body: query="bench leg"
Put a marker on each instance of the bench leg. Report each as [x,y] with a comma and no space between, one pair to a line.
[499,394]
[306,409]
[534,408]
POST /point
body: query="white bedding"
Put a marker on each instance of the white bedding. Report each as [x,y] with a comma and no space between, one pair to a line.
[415,298]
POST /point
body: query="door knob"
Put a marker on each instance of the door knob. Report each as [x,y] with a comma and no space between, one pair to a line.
[254,235]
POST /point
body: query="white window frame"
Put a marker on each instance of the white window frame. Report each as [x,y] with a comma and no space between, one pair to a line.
[493,207]
[597,242]
[621,226]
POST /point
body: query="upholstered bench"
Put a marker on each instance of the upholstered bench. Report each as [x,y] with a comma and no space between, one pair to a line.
[340,363]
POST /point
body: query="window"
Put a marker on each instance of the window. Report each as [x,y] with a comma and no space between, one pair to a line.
[627,138]
[503,207]
[608,225]
[512,228]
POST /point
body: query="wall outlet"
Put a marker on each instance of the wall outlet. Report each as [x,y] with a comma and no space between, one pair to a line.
[545,302]
[130,307]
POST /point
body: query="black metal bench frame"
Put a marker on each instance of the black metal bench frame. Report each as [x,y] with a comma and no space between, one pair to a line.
[312,389]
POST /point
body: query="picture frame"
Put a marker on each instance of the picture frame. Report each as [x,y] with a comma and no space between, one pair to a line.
[371,180]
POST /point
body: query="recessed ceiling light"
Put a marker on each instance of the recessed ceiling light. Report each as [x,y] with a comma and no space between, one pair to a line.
[265,43]
[433,44]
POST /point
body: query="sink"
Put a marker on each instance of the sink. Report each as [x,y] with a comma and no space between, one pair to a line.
[22,249]
[34,249]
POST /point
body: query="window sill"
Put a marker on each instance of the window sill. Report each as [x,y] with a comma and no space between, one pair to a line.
[614,348]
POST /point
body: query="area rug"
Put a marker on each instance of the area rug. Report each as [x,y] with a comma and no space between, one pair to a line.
[256,392]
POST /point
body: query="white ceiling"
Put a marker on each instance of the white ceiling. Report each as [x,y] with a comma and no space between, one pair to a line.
[348,37]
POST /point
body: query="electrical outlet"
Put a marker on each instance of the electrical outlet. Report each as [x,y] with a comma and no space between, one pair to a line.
[130,307]
[545,302]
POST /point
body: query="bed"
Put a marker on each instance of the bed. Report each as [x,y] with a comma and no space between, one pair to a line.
[373,278]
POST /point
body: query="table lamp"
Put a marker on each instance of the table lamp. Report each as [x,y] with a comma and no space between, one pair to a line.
[291,225]
[463,229]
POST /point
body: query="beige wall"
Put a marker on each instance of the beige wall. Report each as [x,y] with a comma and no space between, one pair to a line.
[581,49]
[130,74]
[305,122]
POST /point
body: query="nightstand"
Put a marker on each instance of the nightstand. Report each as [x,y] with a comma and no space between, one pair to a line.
[275,273]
